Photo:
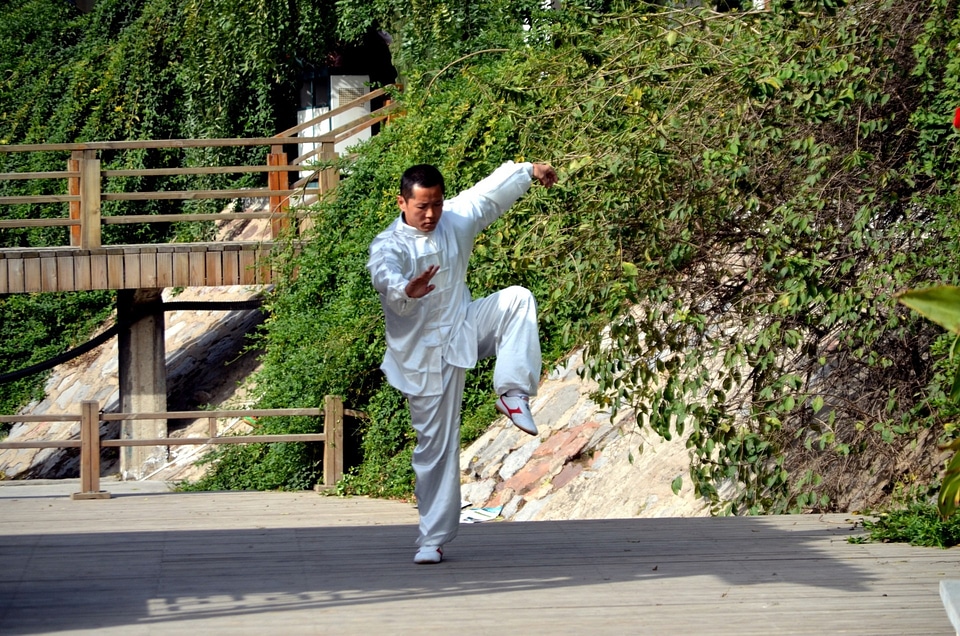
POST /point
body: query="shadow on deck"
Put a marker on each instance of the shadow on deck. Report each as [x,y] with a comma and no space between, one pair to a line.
[299,563]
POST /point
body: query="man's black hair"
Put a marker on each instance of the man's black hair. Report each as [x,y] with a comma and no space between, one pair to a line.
[423,175]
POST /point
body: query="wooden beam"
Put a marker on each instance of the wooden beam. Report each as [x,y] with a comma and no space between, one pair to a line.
[363,99]
[154,143]
[48,274]
[38,198]
[5,223]
[90,452]
[199,441]
[89,201]
[190,195]
[65,277]
[182,218]
[181,268]
[81,272]
[220,413]
[31,274]
[165,269]
[70,173]
[170,172]
[73,189]
[333,447]
[279,204]
[198,270]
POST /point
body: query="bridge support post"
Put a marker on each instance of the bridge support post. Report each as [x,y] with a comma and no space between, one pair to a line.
[143,378]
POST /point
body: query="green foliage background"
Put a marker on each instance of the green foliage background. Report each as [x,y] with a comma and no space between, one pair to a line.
[741,195]
[758,185]
[136,70]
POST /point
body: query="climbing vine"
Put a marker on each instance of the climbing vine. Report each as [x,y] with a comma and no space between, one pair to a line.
[136,70]
[741,195]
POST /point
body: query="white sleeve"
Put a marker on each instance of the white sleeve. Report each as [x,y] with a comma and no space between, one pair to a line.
[387,274]
[486,201]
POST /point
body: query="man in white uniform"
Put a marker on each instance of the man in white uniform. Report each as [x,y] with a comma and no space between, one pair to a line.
[435,330]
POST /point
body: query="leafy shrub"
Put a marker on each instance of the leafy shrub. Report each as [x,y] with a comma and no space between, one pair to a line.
[918,524]
[732,178]
[36,327]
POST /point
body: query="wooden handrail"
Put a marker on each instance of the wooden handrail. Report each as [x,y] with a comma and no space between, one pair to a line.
[147,144]
[5,223]
[86,191]
[174,172]
[90,442]
[363,99]
[20,176]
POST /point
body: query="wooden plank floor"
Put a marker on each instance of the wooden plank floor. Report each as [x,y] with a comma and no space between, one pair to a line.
[301,563]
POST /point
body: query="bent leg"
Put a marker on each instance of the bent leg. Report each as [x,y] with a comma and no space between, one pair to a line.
[507,328]
[436,459]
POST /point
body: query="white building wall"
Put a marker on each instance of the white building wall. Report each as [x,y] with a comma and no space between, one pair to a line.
[343,89]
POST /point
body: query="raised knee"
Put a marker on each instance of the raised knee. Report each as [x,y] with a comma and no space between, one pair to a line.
[519,297]
[519,293]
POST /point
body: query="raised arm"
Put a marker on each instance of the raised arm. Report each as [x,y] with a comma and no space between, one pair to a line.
[486,201]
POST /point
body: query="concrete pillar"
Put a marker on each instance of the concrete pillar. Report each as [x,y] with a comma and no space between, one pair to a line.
[143,378]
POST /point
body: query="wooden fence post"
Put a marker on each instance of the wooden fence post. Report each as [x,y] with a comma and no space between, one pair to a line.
[333,446]
[89,200]
[279,204]
[73,188]
[90,452]
[328,176]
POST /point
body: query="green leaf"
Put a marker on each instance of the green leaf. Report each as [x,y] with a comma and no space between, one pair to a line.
[940,304]
[817,404]
[676,484]
[771,81]
[671,37]
[949,497]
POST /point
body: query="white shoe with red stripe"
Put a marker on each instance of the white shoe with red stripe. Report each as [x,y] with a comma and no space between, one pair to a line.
[429,554]
[517,408]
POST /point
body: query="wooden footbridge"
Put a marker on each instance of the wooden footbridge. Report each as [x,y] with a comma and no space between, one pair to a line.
[139,272]
[87,264]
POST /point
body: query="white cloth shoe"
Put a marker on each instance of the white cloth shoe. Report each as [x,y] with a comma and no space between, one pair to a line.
[517,408]
[429,554]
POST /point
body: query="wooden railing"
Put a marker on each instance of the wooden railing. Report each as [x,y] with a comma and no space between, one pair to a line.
[85,175]
[90,443]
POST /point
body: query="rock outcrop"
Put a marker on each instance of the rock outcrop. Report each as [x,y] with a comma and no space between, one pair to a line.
[582,465]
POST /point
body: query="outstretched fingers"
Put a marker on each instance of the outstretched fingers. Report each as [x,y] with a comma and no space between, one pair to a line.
[420,286]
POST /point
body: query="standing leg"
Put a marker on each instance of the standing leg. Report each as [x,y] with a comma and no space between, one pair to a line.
[436,459]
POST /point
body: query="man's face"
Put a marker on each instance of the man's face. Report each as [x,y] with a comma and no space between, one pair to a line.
[423,209]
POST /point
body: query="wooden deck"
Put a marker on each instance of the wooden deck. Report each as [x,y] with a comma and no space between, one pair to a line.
[301,563]
[62,269]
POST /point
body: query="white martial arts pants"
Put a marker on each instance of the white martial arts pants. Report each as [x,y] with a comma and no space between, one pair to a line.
[507,328]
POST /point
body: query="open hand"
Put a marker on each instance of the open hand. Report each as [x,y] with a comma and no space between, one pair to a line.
[420,286]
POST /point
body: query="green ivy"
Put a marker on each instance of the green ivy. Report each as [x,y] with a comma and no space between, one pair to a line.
[36,327]
[740,197]
[137,70]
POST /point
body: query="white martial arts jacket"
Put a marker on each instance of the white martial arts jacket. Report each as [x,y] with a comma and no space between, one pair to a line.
[424,332]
